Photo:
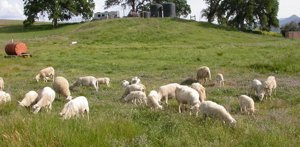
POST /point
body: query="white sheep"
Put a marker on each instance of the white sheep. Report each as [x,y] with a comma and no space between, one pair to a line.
[1,84]
[203,74]
[133,87]
[220,79]
[86,81]
[45,74]
[125,83]
[201,90]
[136,97]
[212,109]
[270,85]
[46,98]
[189,96]
[4,97]
[135,80]
[153,100]
[258,89]
[166,92]
[74,107]
[104,80]
[61,86]
[29,98]
[246,104]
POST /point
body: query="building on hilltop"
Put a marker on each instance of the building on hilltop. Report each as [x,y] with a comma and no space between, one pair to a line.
[106,15]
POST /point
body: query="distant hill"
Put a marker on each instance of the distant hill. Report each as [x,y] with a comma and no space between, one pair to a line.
[284,21]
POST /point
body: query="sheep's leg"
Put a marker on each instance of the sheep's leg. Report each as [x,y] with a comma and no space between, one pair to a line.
[179,108]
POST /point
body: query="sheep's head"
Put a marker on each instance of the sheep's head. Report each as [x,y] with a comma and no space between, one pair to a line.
[21,104]
[36,108]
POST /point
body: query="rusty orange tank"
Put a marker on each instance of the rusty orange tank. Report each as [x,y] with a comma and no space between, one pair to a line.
[15,48]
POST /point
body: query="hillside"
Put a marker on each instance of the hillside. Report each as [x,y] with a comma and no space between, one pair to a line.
[159,51]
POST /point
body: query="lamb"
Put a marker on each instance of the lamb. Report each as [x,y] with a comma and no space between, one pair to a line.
[133,87]
[203,74]
[153,100]
[46,99]
[189,96]
[125,83]
[86,81]
[104,80]
[201,90]
[212,109]
[270,85]
[1,84]
[166,92]
[136,97]
[29,98]
[45,74]
[220,79]
[246,104]
[258,89]
[61,86]
[4,97]
[135,80]
[74,107]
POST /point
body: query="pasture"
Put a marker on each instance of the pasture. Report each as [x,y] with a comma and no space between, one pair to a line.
[159,51]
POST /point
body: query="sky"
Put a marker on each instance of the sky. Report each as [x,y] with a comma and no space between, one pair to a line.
[13,9]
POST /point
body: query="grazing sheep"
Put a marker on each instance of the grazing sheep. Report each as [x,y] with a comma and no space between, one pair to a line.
[135,80]
[29,98]
[166,92]
[189,96]
[153,100]
[1,84]
[4,97]
[74,107]
[220,79]
[270,85]
[45,74]
[258,89]
[246,104]
[104,80]
[212,109]
[46,99]
[86,81]
[136,97]
[201,90]
[125,83]
[203,74]
[133,87]
[61,86]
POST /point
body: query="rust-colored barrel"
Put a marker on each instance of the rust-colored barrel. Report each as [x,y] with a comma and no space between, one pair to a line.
[16,48]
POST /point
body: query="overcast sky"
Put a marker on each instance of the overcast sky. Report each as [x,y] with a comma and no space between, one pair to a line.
[13,9]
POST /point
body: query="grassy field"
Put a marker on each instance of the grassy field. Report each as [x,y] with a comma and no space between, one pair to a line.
[159,51]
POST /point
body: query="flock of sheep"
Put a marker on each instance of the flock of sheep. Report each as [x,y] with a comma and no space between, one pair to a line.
[192,97]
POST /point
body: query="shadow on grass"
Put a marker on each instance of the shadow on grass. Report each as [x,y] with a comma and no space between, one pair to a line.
[34,28]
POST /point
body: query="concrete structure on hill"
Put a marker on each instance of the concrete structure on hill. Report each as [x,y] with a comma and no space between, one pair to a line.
[292,34]
[106,15]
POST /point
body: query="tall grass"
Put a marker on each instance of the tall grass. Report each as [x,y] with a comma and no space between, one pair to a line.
[159,51]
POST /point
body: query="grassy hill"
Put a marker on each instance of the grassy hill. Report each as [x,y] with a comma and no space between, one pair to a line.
[159,51]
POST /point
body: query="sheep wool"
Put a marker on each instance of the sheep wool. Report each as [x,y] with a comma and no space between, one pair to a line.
[61,86]
[246,104]
[29,98]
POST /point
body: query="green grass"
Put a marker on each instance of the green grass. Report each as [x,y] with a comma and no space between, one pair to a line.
[159,51]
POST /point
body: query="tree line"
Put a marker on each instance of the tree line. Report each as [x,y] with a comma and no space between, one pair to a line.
[239,14]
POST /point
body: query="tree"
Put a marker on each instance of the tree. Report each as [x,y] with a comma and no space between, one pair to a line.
[211,10]
[243,14]
[57,10]
[134,4]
